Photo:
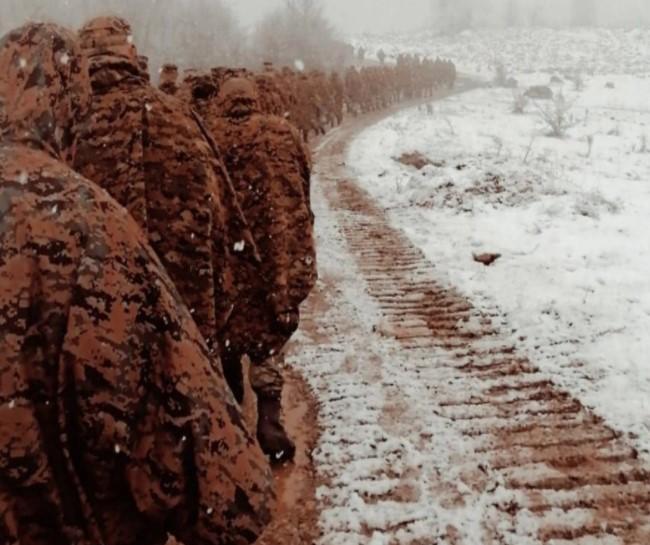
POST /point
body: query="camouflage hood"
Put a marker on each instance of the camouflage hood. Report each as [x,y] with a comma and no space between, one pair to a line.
[168,81]
[200,84]
[238,99]
[44,87]
[108,44]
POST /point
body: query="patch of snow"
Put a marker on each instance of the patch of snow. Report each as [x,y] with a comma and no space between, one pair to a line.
[524,51]
[390,469]
[569,218]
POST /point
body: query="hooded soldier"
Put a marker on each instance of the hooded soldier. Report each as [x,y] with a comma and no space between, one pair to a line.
[271,99]
[115,429]
[143,63]
[168,83]
[269,167]
[153,155]
[200,90]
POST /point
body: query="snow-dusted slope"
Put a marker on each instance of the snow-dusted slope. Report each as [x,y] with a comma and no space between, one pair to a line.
[592,51]
[570,216]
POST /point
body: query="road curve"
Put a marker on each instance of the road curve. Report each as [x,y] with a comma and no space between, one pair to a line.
[435,428]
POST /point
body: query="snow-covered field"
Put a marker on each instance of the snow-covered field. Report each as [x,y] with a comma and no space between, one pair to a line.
[570,216]
[525,50]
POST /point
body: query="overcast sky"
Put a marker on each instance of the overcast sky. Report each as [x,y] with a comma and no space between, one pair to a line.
[349,15]
[355,16]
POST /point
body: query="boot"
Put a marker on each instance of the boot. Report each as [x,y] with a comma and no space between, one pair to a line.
[271,434]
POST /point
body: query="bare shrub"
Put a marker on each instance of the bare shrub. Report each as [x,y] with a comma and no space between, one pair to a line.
[557,115]
[300,30]
[498,142]
[578,81]
[590,145]
[519,102]
[500,74]
[529,149]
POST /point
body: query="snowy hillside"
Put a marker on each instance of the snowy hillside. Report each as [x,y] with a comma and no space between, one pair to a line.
[569,215]
[526,50]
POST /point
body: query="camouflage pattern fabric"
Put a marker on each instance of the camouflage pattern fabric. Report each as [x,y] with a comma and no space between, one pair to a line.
[152,154]
[168,82]
[115,428]
[143,64]
[199,89]
[266,377]
[269,167]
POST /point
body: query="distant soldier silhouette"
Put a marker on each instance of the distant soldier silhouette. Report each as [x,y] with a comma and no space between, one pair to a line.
[168,82]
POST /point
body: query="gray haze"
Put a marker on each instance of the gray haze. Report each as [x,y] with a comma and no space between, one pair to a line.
[212,32]
[349,16]
[353,16]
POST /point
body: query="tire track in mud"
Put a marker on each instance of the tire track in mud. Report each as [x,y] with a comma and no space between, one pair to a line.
[436,428]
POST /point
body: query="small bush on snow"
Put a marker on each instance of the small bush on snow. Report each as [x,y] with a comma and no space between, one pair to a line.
[591,204]
[557,115]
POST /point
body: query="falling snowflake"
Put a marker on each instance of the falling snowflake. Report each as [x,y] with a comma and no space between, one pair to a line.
[192,236]
[148,107]
[228,343]
[118,449]
[55,209]
[209,510]
[183,439]
[22,63]
[12,403]
[65,59]
[299,65]
[23,178]
[239,246]
[279,455]
[129,39]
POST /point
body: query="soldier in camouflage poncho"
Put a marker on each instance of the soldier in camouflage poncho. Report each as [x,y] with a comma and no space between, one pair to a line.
[269,167]
[168,82]
[115,429]
[199,89]
[153,155]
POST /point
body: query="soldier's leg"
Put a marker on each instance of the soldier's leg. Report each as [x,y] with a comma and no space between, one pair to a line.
[233,373]
[267,382]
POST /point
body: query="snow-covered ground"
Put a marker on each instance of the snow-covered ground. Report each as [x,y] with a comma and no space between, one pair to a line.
[570,216]
[525,50]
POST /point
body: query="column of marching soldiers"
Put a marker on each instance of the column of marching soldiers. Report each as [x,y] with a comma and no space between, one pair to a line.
[155,246]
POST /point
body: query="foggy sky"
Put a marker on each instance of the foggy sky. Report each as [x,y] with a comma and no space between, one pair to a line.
[349,15]
[380,16]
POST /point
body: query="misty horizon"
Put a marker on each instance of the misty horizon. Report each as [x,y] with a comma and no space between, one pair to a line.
[390,16]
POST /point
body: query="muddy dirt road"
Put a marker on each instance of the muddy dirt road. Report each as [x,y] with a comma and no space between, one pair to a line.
[434,428]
